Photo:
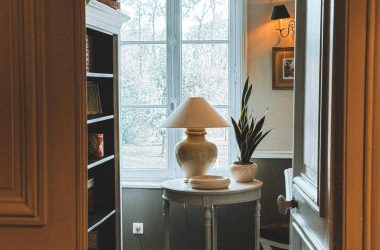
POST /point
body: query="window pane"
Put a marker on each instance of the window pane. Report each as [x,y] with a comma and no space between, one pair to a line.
[148,20]
[205,72]
[143,143]
[143,74]
[219,136]
[205,19]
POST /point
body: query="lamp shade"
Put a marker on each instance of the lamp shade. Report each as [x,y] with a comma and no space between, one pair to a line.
[279,12]
[195,112]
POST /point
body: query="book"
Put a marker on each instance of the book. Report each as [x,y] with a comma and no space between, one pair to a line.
[91,195]
[96,145]
[93,240]
[111,3]
[89,54]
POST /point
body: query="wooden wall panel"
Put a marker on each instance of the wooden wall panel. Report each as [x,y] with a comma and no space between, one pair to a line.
[5,100]
[355,124]
[22,176]
[372,146]
[42,124]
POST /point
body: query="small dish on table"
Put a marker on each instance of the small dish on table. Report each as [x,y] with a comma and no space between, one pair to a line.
[209,182]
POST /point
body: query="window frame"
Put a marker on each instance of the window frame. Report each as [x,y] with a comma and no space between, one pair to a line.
[236,53]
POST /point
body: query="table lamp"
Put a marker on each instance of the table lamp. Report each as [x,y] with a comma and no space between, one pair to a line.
[195,154]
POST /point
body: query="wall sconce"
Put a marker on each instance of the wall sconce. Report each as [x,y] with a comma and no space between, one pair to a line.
[280,12]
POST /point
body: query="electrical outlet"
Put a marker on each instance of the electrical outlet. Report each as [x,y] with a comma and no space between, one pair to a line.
[138,228]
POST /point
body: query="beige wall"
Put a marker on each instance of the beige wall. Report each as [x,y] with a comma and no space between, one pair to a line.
[262,36]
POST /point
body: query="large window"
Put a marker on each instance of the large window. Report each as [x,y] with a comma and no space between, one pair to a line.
[171,50]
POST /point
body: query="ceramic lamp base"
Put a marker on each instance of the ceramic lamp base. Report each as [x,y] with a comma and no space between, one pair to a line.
[195,154]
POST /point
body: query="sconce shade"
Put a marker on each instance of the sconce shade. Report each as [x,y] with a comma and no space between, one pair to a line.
[279,12]
[195,112]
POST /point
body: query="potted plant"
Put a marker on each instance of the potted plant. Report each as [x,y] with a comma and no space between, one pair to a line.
[248,134]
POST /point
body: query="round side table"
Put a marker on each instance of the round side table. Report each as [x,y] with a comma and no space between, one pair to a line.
[178,191]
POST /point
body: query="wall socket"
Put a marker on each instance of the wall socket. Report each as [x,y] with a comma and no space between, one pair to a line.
[138,228]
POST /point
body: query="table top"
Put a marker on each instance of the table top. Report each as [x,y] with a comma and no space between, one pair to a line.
[178,185]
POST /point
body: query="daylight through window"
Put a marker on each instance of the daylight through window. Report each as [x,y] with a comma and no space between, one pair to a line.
[171,50]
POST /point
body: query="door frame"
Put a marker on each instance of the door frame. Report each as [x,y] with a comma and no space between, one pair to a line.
[350,67]
[348,96]
[349,75]
[372,131]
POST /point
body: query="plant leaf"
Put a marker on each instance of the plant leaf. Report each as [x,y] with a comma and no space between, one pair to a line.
[247,96]
[244,92]
[259,125]
[237,133]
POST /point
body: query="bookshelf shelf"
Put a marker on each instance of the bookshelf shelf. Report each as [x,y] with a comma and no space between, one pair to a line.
[99,75]
[98,218]
[93,162]
[95,119]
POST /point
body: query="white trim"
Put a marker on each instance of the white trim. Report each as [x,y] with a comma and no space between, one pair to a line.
[205,41]
[104,17]
[126,42]
[141,184]
[273,155]
[304,233]
[265,243]
[307,191]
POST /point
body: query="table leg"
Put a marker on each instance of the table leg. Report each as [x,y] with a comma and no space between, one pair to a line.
[208,227]
[214,227]
[257,224]
[166,207]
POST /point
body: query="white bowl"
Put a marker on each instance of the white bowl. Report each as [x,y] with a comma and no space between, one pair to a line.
[209,182]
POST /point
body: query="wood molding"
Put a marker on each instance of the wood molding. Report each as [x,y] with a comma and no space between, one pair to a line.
[348,78]
[23,121]
[81,126]
[372,145]
[354,124]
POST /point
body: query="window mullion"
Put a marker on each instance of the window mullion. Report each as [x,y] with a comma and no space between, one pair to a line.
[173,69]
[237,32]
[177,74]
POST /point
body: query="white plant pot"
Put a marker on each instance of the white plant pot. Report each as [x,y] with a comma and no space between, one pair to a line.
[244,172]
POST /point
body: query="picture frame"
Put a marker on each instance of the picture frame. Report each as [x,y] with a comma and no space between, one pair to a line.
[283,68]
[94,106]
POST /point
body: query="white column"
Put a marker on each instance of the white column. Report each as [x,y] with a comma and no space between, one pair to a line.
[214,227]
[257,224]
[166,207]
[208,227]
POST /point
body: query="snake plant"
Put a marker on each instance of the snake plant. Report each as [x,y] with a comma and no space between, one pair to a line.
[248,132]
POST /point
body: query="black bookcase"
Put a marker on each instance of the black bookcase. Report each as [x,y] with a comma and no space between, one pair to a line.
[103,25]
[103,170]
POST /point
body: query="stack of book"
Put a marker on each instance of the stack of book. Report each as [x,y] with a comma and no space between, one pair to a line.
[89,53]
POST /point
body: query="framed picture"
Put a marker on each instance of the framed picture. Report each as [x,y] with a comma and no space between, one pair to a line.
[282,68]
[94,106]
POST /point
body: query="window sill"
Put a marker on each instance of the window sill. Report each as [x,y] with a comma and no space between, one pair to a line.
[141,184]
[273,155]
[155,183]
